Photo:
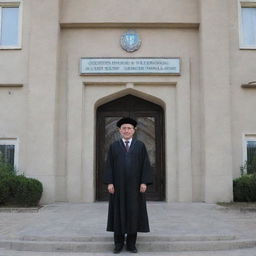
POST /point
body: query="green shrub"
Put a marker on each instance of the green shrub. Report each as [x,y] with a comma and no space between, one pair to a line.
[6,168]
[16,189]
[244,188]
[21,191]
[28,191]
[4,191]
[251,166]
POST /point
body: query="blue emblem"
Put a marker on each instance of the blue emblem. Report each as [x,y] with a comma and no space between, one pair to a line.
[130,41]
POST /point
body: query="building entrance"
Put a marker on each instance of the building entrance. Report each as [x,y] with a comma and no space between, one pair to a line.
[150,130]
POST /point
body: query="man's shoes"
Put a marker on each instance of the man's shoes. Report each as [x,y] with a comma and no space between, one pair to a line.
[118,248]
[132,249]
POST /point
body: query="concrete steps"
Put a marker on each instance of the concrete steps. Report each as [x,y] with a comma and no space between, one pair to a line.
[153,243]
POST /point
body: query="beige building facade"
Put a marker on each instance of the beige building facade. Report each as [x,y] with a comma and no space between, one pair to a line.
[49,110]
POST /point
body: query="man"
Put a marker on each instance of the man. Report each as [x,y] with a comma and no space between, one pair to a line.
[127,174]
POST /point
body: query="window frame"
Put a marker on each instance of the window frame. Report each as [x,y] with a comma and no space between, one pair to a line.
[247,137]
[12,3]
[15,142]
[242,4]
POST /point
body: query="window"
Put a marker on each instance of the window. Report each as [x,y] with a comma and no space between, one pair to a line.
[9,151]
[250,153]
[9,25]
[248,20]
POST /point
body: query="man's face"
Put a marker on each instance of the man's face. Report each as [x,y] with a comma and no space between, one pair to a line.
[126,131]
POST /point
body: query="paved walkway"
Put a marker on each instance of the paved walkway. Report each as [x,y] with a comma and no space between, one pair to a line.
[74,221]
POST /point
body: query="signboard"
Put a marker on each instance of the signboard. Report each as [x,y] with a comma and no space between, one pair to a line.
[129,66]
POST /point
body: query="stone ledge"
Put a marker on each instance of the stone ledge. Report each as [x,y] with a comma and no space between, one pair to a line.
[20,209]
[10,85]
[152,246]
[249,85]
[141,238]
[241,206]
[127,25]
[248,209]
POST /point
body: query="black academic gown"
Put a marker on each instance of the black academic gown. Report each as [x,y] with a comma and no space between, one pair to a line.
[127,170]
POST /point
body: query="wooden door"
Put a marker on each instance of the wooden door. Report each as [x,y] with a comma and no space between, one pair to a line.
[150,130]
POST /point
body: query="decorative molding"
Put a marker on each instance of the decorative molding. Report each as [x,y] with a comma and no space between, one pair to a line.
[98,83]
[155,83]
[247,3]
[8,3]
[11,85]
[130,84]
[251,84]
[123,25]
[130,41]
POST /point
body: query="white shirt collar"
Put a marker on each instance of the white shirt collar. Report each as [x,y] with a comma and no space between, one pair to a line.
[130,141]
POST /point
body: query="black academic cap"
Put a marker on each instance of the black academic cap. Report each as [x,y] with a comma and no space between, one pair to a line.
[126,120]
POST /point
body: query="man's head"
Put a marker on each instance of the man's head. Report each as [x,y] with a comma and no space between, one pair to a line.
[127,127]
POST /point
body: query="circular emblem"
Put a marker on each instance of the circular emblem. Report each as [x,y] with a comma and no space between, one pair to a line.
[130,41]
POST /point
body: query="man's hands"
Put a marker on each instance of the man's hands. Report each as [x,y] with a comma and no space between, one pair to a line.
[111,189]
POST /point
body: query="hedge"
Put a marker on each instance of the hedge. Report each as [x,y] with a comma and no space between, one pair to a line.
[6,168]
[4,192]
[244,188]
[18,190]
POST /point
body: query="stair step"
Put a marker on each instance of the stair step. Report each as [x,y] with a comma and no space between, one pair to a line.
[105,246]
[148,238]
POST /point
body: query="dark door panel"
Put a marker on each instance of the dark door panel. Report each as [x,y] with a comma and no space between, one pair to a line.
[149,130]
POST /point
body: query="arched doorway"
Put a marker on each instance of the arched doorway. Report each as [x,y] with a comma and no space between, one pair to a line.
[150,130]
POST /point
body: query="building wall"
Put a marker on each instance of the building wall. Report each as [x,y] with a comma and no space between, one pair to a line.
[50,108]
[34,69]
[243,102]
[80,13]
[86,34]
[104,43]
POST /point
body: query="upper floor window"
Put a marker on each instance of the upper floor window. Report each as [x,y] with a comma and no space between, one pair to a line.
[248,17]
[9,24]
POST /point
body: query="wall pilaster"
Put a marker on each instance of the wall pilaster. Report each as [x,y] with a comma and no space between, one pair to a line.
[216,98]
